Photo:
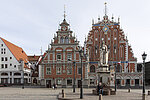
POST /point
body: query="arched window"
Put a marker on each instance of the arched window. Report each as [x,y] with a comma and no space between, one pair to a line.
[25,74]
[61,40]
[66,40]
[17,74]
[4,74]
[92,69]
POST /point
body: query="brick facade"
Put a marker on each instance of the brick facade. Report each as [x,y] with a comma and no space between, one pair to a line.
[61,55]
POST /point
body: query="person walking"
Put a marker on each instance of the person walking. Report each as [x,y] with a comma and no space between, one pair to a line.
[100,88]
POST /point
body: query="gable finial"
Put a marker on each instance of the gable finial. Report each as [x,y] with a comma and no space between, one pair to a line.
[64,12]
[105,8]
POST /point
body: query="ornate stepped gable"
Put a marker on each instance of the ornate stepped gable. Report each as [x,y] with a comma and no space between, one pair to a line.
[110,32]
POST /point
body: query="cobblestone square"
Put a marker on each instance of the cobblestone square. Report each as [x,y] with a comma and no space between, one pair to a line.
[17,93]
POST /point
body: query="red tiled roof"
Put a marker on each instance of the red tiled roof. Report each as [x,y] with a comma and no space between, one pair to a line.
[16,51]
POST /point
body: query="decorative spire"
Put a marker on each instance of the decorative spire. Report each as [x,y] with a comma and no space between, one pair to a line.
[64,12]
[118,19]
[92,21]
[105,8]
[41,50]
[112,17]
[98,18]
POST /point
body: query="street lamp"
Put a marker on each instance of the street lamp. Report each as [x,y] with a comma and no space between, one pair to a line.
[115,70]
[74,78]
[81,87]
[144,57]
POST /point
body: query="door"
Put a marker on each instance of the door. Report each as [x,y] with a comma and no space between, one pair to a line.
[48,83]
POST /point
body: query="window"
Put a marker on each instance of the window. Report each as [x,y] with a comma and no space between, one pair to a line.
[69,70]
[10,64]
[2,51]
[10,57]
[66,40]
[92,69]
[79,70]
[69,57]
[5,58]
[14,66]
[58,56]
[58,70]
[91,81]
[58,81]
[5,65]
[2,45]
[61,40]
[48,70]
[2,58]
[69,81]
[2,65]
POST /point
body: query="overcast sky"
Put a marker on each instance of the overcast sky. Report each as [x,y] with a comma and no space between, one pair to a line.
[31,24]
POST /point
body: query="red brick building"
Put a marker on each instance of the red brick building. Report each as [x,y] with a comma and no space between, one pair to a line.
[120,51]
[57,64]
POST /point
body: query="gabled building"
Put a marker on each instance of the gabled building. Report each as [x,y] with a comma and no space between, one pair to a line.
[13,62]
[120,53]
[62,59]
[34,61]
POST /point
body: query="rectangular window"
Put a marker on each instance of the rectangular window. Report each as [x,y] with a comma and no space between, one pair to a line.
[10,64]
[14,66]
[69,57]
[2,45]
[69,81]
[58,70]
[58,56]
[58,81]
[5,65]
[2,65]
[10,57]
[48,70]
[5,58]
[79,70]
[2,58]
[2,51]
[69,70]
[91,81]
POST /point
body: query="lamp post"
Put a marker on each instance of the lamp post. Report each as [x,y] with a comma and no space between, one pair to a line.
[115,69]
[144,57]
[74,78]
[81,87]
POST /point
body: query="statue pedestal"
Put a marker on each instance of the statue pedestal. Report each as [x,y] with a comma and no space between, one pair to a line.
[104,75]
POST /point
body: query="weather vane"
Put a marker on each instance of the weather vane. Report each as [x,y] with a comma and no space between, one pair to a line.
[105,8]
[64,12]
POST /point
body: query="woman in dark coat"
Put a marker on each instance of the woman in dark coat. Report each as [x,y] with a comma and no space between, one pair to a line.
[100,88]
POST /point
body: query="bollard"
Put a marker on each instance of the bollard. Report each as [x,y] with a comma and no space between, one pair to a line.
[63,93]
[129,89]
[143,96]
[100,97]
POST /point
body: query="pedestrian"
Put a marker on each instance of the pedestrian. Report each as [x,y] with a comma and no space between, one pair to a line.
[54,86]
[100,88]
